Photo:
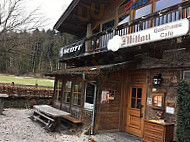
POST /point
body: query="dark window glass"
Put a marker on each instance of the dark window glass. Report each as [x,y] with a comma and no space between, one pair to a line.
[134,92]
[133,103]
[108,25]
[136,98]
[139,93]
[138,103]
[96,30]
[124,19]
[89,94]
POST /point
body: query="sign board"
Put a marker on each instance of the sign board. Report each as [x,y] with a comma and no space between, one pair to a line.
[170,110]
[72,50]
[186,75]
[149,101]
[166,31]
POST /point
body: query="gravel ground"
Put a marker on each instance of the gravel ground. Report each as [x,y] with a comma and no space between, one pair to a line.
[15,126]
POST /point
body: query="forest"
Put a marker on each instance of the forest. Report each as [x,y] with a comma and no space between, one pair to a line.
[37,52]
[25,47]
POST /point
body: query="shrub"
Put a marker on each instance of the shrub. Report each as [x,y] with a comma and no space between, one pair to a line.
[183,112]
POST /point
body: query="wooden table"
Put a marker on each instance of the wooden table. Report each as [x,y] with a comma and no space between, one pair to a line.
[49,116]
[2,96]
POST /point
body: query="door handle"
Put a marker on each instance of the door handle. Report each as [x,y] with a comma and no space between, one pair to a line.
[141,114]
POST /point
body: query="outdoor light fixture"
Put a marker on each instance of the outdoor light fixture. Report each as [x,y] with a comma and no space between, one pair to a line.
[157,79]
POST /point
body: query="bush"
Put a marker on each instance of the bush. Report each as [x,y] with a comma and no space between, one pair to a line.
[183,113]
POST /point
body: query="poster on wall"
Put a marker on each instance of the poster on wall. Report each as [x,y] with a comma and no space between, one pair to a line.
[105,97]
[111,95]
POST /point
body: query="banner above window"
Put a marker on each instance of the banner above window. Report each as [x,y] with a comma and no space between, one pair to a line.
[72,50]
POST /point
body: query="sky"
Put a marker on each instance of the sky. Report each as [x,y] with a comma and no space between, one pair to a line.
[51,9]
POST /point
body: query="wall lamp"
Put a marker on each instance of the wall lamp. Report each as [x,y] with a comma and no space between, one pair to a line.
[157,79]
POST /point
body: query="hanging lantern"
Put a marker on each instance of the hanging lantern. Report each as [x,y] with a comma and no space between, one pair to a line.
[157,79]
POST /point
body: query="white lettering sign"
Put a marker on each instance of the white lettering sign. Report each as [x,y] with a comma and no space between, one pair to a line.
[72,49]
[166,31]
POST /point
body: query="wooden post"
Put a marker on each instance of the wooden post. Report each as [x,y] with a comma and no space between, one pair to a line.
[62,94]
[54,93]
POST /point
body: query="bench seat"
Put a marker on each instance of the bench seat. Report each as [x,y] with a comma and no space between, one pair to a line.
[72,119]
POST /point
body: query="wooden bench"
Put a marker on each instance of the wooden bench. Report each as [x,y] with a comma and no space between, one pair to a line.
[2,96]
[72,119]
[49,116]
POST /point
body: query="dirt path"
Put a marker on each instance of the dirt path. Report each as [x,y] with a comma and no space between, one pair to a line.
[15,126]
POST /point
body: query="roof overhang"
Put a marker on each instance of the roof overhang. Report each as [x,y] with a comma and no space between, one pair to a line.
[76,17]
[93,70]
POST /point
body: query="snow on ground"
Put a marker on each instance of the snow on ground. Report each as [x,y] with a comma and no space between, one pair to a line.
[16,126]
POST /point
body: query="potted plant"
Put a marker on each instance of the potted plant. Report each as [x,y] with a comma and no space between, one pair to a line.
[160,116]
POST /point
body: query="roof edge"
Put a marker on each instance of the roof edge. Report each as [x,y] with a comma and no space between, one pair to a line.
[66,14]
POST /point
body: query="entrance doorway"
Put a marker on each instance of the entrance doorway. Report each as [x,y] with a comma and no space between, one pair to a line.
[135,109]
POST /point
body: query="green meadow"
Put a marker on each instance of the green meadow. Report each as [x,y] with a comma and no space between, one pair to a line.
[25,80]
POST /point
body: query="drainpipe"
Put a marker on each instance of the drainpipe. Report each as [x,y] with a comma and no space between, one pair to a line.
[94,102]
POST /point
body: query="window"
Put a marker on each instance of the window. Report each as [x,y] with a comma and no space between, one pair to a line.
[77,94]
[161,4]
[136,97]
[58,90]
[124,19]
[158,101]
[67,91]
[96,30]
[143,11]
[89,97]
[108,25]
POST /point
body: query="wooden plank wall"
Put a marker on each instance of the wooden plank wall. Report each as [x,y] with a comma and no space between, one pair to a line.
[108,114]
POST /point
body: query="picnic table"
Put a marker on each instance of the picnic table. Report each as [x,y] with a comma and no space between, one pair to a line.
[49,116]
[2,96]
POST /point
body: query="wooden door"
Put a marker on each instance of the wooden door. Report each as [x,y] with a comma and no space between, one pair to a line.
[135,109]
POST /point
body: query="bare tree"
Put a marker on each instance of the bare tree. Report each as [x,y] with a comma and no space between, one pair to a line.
[15,16]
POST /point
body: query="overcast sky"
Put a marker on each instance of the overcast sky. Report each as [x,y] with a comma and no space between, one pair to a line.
[52,9]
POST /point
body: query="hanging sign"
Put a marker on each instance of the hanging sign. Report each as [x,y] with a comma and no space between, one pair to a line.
[166,31]
[72,50]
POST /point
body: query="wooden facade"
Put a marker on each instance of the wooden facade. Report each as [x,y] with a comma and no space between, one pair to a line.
[127,74]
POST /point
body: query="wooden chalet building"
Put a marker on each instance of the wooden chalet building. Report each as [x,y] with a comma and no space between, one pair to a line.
[122,85]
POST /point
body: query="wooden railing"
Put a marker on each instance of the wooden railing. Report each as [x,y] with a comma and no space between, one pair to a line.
[98,42]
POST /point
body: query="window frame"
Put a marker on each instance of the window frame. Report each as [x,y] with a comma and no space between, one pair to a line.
[141,8]
[65,97]
[162,95]
[58,90]
[106,21]
[73,93]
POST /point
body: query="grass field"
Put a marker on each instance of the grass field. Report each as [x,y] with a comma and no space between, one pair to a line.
[25,80]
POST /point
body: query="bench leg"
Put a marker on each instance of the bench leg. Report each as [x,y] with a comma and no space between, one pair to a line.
[53,126]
